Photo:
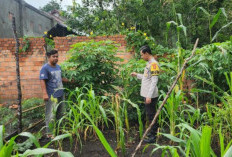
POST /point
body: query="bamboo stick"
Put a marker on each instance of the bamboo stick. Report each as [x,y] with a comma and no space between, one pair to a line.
[33,108]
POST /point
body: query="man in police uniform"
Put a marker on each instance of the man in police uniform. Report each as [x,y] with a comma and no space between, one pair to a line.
[149,90]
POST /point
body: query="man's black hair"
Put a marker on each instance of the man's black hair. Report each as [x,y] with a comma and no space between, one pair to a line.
[52,52]
[145,49]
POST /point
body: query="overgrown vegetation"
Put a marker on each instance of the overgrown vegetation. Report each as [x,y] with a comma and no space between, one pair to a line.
[196,120]
[201,19]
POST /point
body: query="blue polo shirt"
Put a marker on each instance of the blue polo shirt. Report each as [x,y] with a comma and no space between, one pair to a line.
[52,77]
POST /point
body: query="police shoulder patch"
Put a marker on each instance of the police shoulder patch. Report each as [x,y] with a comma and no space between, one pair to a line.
[154,69]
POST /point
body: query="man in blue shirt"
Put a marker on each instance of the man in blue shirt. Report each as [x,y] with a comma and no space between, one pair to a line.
[51,83]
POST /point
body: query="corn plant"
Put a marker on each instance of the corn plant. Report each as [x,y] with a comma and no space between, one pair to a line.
[171,108]
[126,101]
[224,151]
[221,114]
[85,115]
[100,135]
[212,20]
[190,115]
[167,151]
[7,149]
[74,122]
[180,54]
[119,112]
[229,81]
[191,142]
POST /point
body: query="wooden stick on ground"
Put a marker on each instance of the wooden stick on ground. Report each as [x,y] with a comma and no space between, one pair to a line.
[165,99]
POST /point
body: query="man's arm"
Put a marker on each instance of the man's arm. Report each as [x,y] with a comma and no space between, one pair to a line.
[65,80]
[139,76]
[43,86]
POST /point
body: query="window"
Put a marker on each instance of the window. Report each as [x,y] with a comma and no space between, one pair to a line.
[10,16]
[40,27]
[31,25]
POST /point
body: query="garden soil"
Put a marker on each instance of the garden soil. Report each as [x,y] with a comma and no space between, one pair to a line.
[93,147]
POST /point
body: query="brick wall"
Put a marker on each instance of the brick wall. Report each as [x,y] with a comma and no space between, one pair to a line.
[32,60]
[30,64]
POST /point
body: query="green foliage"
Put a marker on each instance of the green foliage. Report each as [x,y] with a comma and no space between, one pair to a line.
[224,151]
[80,101]
[92,63]
[50,44]
[31,116]
[51,5]
[179,26]
[217,116]
[137,39]
[211,62]
[25,44]
[100,135]
[172,106]
[8,149]
[191,142]
[214,20]
[6,114]
[117,17]
[87,113]
[130,85]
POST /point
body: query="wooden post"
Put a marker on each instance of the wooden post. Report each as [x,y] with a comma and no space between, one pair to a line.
[18,77]
[166,98]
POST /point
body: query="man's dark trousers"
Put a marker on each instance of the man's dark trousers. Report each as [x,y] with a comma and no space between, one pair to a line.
[150,113]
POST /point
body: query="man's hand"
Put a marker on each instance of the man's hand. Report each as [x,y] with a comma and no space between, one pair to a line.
[45,97]
[134,74]
[148,100]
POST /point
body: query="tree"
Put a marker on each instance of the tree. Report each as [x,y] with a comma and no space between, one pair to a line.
[107,17]
[50,6]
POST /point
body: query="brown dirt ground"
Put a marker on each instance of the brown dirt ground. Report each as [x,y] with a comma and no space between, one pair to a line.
[94,148]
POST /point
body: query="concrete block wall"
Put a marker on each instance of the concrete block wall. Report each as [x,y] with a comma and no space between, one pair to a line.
[32,61]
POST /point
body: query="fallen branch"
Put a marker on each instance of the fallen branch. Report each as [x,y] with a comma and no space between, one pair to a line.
[165,99]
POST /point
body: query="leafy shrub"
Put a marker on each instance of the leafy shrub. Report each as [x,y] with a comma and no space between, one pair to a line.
[92,63]
[211,62]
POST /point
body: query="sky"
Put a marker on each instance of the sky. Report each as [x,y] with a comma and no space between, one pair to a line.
[41,3]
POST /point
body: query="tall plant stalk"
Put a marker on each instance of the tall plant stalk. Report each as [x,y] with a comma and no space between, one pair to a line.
[214,18]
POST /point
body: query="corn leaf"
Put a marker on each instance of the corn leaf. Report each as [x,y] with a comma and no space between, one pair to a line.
[228,152]
[216,34]
[205,141]
[1,136]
